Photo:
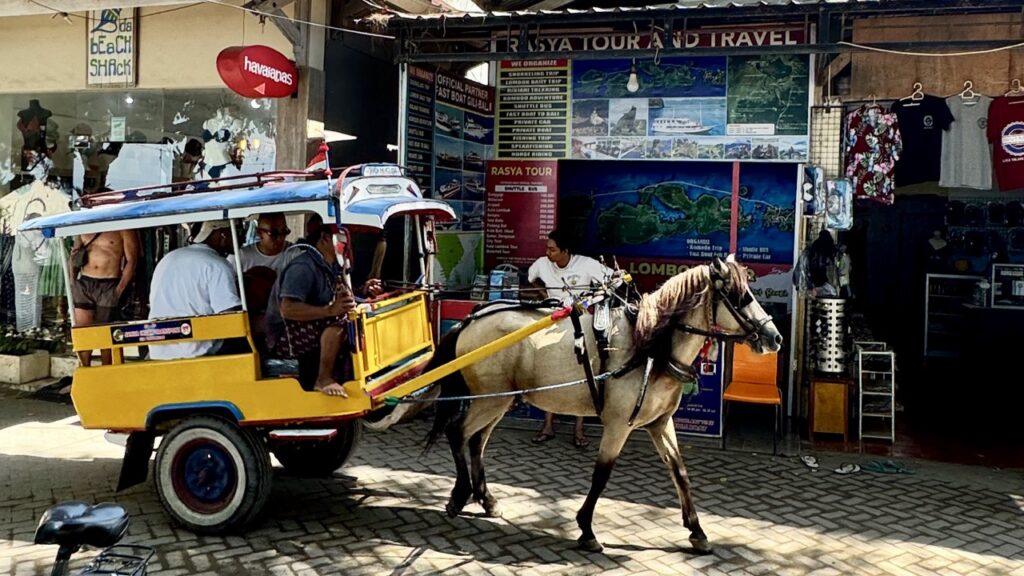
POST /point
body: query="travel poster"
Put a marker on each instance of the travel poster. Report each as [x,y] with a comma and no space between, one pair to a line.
[463,123]
[700,410]
[533,109]
[419,126]
[522,199]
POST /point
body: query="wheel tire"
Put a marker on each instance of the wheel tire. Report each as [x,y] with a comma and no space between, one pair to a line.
[211,475]
[319,459]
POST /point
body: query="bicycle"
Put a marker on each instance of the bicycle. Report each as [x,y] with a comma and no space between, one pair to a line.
[74,525]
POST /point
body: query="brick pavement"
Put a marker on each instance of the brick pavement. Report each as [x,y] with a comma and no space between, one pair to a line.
[384,513]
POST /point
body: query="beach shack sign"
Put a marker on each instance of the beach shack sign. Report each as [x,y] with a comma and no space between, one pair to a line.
[112,47]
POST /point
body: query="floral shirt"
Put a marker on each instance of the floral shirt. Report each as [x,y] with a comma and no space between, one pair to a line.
[873,145]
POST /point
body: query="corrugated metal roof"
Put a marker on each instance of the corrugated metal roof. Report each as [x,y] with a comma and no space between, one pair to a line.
[681,5]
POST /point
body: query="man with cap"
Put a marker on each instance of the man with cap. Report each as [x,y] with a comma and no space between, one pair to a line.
[196,280]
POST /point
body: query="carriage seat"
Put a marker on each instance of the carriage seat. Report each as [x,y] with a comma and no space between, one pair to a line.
[77,524]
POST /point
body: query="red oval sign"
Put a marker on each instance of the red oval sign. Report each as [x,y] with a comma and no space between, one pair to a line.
[257,72]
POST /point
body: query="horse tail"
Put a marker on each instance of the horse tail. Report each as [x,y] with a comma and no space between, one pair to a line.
[446,413]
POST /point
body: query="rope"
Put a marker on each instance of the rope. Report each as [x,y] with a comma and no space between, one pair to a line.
[932,54]
[392,401]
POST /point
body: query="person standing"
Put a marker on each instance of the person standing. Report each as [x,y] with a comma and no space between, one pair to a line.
[562,274]
[102,268]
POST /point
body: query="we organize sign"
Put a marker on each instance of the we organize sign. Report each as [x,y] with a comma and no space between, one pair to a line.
[112,47]
[257,72]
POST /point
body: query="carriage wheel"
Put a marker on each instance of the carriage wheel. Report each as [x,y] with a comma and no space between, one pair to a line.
[212,476]
[320,458]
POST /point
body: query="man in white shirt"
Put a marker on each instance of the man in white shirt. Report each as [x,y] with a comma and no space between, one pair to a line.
[194,281]
[558,269]
[272,231]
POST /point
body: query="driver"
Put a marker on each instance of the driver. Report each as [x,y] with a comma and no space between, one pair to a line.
[307,310]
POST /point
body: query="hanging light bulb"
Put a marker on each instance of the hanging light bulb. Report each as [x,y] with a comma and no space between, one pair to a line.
[128,99]
[255,104]
[634,82]
[255,144]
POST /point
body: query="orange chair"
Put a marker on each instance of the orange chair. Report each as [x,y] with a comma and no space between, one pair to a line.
[755,381]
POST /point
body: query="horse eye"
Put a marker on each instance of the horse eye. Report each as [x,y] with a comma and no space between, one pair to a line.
[751,276]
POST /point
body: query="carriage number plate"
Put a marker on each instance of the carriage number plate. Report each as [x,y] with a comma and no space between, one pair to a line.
[382,170]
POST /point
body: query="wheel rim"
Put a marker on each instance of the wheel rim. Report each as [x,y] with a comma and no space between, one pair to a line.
[204,476]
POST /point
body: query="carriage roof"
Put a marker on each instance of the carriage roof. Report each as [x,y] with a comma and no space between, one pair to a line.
[370,200]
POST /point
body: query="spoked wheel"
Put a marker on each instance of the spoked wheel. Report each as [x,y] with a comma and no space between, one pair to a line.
[212,476]
[320,458]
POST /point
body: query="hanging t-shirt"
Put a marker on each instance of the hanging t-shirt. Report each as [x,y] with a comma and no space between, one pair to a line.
[873,146]
[1006,132]
[966,155]
[921,125]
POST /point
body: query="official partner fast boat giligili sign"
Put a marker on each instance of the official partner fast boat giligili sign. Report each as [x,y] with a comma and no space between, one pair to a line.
[257,72]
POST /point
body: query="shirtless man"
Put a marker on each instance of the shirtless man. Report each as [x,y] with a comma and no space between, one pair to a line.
[110,259]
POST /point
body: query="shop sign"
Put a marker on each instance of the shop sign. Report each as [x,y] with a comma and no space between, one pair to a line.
[419,126]
[257,72]
[520,211]
[586,41]
[111,47]
[533,109]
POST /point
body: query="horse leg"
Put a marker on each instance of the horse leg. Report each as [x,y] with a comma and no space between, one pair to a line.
[477,444]
[612,440]
[463,488]
[482,415]
[663,434]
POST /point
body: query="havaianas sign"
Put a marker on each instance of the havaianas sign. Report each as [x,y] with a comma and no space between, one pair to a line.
[257,72]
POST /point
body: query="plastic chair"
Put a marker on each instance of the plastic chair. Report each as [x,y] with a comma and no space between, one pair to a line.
[754,381]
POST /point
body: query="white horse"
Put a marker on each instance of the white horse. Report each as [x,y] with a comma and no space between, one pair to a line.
[671,326]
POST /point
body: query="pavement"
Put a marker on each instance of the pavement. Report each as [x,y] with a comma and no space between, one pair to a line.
[383,514]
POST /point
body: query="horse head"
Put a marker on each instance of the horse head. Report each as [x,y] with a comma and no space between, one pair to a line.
[736,312]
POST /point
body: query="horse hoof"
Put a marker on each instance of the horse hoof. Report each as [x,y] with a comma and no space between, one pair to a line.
[701,545]
[492,510]
[452,510]
[590,545]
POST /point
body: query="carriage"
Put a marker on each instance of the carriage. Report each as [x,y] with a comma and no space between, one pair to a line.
[220,417]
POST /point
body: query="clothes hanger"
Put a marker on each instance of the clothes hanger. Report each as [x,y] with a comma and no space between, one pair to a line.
[916,96]
[1015,92]
[968,95]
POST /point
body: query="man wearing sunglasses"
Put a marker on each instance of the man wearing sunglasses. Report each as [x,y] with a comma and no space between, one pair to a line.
[272,231]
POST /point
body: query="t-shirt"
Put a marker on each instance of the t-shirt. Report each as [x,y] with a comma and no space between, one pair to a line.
[308,278]
[578,274]
[921,125]
[1006,132]
[191,281]
[966,155]
[251,257]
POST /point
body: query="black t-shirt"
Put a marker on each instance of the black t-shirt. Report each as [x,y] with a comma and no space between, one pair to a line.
[307,278]
[921,125]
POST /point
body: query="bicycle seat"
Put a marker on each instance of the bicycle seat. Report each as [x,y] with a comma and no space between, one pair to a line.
[81,524]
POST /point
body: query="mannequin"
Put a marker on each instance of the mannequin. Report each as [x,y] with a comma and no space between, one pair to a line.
[32,123]
[937,242]
[938,252]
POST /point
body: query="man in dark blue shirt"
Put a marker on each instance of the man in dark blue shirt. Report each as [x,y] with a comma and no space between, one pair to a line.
[308,308]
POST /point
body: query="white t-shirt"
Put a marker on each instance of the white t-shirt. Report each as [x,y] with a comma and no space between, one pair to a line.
[966,154]
[251,257]
[578,274]
[191,281]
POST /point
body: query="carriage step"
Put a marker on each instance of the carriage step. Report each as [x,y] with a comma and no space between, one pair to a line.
[307,434]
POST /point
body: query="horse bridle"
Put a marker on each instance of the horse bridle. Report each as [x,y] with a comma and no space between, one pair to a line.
[751,329]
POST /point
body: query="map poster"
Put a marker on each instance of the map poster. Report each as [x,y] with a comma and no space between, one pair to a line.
[533,109]
[459,258]
[419,126]
[463,141]
[767,213]
[768,96]
[522,199]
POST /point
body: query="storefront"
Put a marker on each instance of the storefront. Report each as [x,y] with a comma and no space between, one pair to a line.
[117,98]
[665,136]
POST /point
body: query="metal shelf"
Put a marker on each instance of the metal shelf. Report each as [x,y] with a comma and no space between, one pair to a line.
[878,384]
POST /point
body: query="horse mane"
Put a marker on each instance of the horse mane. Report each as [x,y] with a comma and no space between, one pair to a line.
[659,311]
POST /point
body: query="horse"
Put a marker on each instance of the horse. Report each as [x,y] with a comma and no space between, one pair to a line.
[671,326]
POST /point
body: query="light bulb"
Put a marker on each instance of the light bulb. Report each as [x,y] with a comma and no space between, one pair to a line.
[128,99]
[255,144]
[242,144]
[634,83]
[255,104]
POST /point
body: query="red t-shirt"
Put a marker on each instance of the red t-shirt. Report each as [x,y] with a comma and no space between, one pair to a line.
[1006,132]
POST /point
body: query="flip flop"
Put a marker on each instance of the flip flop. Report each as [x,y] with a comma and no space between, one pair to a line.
[810,461]
[847,469]
[581,442]
[542,437]
[886,467]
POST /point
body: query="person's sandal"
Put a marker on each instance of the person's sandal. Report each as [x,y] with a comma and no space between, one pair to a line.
[542,437]
[581,442]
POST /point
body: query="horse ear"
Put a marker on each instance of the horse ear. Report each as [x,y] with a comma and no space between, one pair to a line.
[719,267]
[731,258]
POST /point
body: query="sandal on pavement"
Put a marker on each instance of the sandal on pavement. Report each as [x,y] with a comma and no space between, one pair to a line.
[581,442]
[847,469]
[886,467]
[810,461]
[542,437]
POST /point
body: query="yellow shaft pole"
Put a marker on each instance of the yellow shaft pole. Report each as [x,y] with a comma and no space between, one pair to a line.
[480,353]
